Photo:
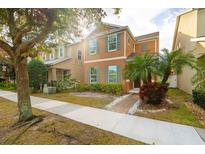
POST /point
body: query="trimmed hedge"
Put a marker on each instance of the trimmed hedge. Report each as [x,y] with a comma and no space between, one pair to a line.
[110,88]
[199,98]
[7,86]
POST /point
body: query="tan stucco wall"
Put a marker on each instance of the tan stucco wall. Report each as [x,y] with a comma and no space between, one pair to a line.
[74,65]
[201,23]
[189,28]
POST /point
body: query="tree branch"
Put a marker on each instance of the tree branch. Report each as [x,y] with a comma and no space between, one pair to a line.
[7,48]
[40,37]
[22,29]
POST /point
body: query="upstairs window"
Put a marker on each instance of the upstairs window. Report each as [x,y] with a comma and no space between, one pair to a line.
[93,75]
[112,74]
[79,55]
[61,52]
[144,47]
[112,42]
[92,46]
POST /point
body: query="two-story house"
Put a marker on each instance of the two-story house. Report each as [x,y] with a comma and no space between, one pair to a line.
[190,37]
[107,50]
[65,59]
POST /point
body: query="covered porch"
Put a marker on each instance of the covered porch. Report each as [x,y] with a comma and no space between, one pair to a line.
[55,74]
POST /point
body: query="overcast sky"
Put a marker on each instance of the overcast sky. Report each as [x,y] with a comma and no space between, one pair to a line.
[143,21]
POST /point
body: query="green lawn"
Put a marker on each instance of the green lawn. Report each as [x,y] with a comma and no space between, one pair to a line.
[87,101]
[53,129]
[180,115]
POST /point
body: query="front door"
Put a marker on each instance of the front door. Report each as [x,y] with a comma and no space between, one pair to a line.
[136,83]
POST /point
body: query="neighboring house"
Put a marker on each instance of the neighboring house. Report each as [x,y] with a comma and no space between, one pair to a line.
[190,36]
[64,60]
[108,48]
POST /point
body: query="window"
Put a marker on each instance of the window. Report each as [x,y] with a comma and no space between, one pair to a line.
[144,47]
[79,55]
[65,73]
[93,75]
[92,46]
[52,55]
[129,39]
[112,74]
[61,52]
[112,42]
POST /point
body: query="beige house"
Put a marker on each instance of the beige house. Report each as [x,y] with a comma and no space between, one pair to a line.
[190,36]
[65,59]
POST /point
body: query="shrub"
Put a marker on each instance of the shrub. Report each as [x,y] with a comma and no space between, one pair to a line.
[153,93]
[37,71]
[66,83]
[7,86]
[110,88]
[199,98]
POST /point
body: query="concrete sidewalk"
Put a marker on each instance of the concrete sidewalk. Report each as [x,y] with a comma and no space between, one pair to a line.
[142,129]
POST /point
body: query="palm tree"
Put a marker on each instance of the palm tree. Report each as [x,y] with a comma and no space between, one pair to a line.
[199,78]
[141,67]
[173,61]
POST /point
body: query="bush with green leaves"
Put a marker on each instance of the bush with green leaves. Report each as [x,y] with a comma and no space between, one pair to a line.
[7,86]
[110,88]
[199,78]
[199,98]
[66,83]
[37,71]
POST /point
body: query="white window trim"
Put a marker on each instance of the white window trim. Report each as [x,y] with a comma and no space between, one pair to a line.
[93,74]
[78,50]
[109,74]
[95,51]
[115,43]
[59,55]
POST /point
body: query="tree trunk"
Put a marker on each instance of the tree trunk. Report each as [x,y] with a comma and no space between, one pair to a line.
[149,78]
[165,78]
[22,80]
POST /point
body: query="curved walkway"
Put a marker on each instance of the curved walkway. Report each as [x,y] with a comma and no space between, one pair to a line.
[142,129]
[124,105]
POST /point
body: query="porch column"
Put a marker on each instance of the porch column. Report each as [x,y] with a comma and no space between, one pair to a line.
[53,74]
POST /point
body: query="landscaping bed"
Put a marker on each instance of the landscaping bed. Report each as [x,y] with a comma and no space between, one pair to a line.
[53,129]
[164,105]
[81,100]
[177,112]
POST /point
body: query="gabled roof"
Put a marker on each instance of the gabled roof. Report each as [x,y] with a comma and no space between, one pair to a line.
[56,61]
[112,25]
[177,25]
[147,36]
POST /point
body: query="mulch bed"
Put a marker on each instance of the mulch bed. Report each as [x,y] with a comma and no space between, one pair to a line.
[164,105]
[197,111]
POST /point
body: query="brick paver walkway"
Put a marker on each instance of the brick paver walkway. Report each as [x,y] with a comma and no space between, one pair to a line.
[124,105]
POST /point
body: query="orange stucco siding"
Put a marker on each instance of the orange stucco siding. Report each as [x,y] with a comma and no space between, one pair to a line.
[130,43]
[152,46]
[102,66]
[101,51]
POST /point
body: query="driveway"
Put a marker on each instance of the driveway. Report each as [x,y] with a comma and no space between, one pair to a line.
[142,129]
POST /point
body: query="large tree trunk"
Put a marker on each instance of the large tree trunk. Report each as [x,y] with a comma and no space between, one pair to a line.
[22,80]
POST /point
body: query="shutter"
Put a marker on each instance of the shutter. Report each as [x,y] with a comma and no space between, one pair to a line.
[118,73]
[89,71]
[98,74]
[106,74]
[118,41]
[106,43]
[97,46]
